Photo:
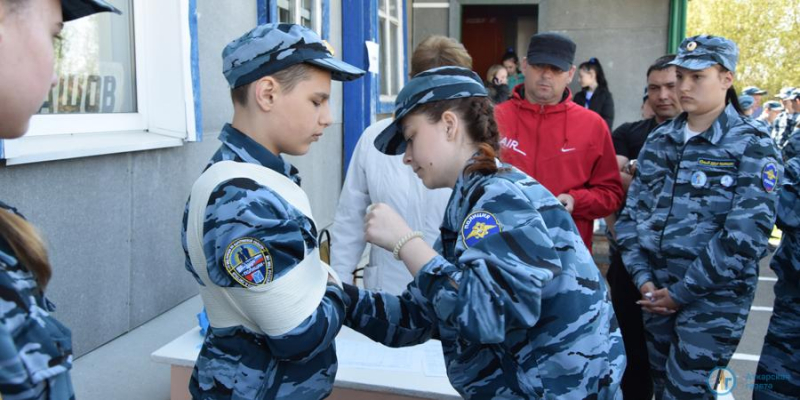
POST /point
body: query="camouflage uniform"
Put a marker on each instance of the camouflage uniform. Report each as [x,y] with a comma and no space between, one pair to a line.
[236,362]
[530,317]
[784,124]
[696,221]
[514,296]
[35,349]
[778,374]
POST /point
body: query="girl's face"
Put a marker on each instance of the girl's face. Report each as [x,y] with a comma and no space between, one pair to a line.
[586,77]
[702,91]
[27,34]
[501,77]
[428,151]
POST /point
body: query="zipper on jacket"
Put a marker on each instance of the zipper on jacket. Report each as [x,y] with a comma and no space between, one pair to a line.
[538,141]
[672,196]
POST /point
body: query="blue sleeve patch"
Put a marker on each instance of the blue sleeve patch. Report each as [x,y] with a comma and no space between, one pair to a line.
[769,176]
[248,262]
[477,226]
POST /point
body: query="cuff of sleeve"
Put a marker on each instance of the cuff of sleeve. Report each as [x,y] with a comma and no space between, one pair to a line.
[350,298]
[430,274]
[681,294]
[641,277]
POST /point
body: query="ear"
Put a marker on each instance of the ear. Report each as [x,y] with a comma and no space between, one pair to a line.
[571,72]
[265,91]
[451,124]
[727,79]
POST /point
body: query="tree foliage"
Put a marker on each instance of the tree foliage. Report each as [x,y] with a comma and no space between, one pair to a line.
[766,31]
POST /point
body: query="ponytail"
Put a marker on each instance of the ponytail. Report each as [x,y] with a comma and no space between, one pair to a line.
[27,245]
[732,98]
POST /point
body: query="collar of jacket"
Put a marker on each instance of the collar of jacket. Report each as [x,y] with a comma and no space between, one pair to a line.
[250,151]
[725,122]
[523,103]
[467,190]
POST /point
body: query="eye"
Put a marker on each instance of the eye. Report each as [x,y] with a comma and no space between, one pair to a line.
[317,103]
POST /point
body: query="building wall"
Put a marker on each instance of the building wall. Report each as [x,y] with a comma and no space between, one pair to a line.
[625,35]
[112,223]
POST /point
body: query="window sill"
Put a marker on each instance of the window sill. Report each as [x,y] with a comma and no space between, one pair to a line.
[33,149]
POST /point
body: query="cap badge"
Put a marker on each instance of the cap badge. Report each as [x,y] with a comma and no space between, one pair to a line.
[329,47]
[691,46]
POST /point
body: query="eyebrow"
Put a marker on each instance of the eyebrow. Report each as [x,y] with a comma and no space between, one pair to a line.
[323,96]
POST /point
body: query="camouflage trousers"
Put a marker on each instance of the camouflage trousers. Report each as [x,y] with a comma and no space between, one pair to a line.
[778,374]
[685,347]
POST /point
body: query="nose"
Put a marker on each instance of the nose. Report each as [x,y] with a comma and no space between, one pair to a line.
[325,118]
[407,156]
[53,80]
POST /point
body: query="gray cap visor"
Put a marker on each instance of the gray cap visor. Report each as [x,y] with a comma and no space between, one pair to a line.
[74,9]
[340,70]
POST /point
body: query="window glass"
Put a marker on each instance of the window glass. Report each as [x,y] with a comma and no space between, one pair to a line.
[95,65]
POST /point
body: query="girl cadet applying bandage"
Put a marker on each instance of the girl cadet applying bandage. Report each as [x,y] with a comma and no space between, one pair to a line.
[248,231]
[35,349]
[510,289]
[696,223]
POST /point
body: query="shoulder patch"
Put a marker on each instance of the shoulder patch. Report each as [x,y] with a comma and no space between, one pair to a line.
[248,262]
[769,176]
[477,226]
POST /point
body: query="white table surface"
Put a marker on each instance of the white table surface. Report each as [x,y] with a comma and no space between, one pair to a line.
[408,376]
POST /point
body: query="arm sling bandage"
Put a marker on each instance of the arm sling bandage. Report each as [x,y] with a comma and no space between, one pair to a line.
[275,307]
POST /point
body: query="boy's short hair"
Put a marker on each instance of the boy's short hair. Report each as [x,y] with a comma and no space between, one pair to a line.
[439,51]
[288,78]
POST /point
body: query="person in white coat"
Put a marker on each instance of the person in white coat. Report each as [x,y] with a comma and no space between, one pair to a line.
[374,177]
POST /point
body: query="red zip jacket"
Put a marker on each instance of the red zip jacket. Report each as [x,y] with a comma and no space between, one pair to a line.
[568,149]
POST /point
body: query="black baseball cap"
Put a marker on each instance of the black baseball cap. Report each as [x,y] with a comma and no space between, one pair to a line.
[552,49]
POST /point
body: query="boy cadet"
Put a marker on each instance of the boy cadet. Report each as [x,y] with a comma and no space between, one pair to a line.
[249,236]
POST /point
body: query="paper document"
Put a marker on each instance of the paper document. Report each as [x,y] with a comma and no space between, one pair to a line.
[361,354]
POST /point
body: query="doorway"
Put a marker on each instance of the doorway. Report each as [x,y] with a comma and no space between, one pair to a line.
[487,31]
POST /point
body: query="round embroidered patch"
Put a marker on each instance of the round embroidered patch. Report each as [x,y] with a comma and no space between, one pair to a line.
[248,262]
[769,176]
[726,180]
[477,226]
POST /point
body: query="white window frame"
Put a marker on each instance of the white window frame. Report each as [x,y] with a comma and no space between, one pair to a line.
[295,8]
[396,49]
[165,114]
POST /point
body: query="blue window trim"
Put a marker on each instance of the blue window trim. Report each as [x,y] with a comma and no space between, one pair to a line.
[362,96]
[195,71]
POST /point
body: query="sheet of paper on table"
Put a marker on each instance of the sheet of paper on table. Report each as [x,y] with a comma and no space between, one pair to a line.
[426,357]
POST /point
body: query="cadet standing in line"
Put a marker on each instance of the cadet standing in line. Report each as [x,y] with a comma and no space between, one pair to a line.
[778,376]
[249,236]
[784,124]
[510,289]
[696,222]
[35,349]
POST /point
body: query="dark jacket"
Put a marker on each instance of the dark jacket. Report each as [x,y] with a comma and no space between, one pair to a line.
[601,103]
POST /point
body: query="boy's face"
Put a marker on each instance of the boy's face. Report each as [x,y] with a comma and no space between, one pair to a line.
[302,114]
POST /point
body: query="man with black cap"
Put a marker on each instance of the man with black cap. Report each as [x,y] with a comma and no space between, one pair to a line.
[564,146]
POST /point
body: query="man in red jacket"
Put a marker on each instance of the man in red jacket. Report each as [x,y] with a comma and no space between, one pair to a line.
[564,146]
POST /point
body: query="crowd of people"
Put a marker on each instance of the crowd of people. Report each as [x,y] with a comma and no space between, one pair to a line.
[480,217]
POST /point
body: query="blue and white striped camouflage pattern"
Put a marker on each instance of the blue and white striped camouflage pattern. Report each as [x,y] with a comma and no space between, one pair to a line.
[35,349]
[237,363]
[523,313]
[696,221]
[778,373]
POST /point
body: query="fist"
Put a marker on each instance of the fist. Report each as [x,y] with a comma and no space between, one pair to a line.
[384,227]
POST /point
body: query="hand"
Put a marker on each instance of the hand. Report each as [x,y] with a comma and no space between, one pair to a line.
[384,227]
[656,301]
[568,201]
